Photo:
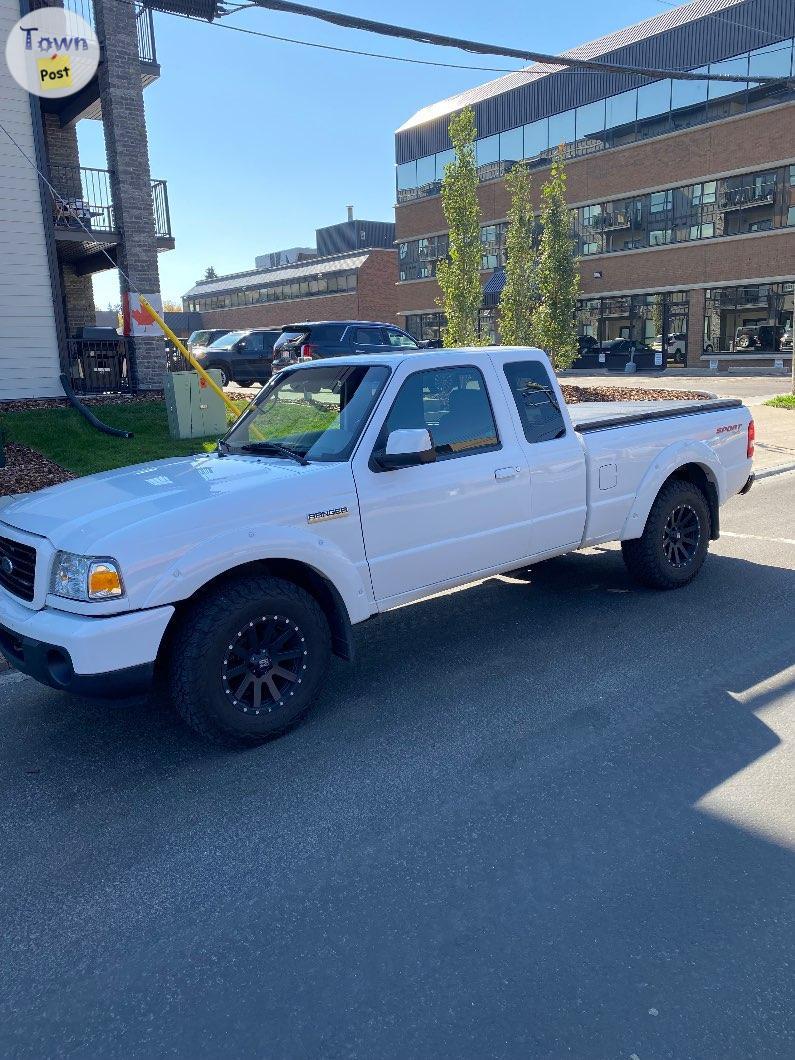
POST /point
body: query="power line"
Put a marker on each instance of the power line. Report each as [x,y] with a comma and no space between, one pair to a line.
[347,51]
[386,29]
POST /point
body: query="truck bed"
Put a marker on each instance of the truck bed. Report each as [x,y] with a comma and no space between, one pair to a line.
[603,415]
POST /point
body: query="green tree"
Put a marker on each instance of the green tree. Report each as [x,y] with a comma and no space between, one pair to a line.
[519,297]
[210,273]
[554,328]
[459,277]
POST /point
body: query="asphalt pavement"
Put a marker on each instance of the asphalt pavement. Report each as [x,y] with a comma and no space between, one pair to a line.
[551,816]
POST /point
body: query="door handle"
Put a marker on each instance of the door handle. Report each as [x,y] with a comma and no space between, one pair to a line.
[506,472]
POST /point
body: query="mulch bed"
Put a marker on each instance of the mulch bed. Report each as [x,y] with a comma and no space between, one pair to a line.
[576,394]
[32,404]
[28,470]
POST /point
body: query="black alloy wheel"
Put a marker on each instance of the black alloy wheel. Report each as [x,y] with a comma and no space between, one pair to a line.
[681,536]
[264,664]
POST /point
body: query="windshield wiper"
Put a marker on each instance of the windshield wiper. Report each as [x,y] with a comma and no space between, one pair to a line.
[547,391]
[274,447]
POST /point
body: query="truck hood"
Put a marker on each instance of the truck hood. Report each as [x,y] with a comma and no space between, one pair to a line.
[75,514]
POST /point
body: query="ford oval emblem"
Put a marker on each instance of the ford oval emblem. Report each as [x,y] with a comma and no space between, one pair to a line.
[6,566]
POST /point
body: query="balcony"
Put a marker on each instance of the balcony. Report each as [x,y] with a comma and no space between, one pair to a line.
[748,195]
[610,222]
[87,102]
[84,220]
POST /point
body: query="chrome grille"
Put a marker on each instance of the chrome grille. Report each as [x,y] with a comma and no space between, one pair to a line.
[17,568]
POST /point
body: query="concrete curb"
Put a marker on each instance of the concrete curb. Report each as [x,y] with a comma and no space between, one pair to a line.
[777,469]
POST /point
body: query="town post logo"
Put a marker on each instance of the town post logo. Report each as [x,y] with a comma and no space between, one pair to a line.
[52,52]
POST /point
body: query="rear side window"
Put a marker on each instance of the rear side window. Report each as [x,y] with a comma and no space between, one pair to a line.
[536,401]
[452,403]
[326,332]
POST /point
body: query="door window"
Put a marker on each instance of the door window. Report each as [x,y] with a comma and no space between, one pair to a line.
[254,342]
[452,404]
[398,339]
[536,401]
[369,337]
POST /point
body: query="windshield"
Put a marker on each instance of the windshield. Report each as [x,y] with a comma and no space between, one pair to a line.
[317,413]
[228,340]
[200,338]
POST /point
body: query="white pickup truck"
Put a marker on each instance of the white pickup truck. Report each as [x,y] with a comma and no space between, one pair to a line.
[349,487]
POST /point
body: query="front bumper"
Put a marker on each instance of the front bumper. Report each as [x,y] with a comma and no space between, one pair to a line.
[105,656]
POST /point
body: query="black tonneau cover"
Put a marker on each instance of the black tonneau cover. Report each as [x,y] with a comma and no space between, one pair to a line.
[627,419]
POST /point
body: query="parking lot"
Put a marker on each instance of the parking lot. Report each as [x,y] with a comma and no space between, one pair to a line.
[550,816]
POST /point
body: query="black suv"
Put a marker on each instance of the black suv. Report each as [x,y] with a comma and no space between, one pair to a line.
[338,338]
[244,357]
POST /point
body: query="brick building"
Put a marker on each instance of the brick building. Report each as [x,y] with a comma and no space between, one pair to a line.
[351,277]
[683,192]
[47,257]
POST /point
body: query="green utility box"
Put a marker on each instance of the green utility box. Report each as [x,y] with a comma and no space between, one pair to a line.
[194,408]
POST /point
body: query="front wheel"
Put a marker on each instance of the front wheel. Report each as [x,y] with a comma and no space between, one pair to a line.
[675,541]
[248,659]
[224,373]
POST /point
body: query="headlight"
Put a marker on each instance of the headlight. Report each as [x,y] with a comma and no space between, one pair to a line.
[85,578]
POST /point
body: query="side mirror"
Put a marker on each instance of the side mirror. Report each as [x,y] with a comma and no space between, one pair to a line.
[406,448]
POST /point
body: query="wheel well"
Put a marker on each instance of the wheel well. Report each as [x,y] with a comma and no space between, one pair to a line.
[701,477]
[327,596]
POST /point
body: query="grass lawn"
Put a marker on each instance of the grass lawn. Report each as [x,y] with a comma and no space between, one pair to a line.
[65,437]
[783,401]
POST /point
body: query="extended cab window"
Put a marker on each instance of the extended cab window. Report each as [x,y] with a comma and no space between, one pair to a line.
[536,401]
[452,403]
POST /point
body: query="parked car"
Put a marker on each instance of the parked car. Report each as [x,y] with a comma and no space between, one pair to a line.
[244,357]
[348,487]
[338,338]
[760,337]
[200,340]
[615,354]
[587,353]
[676,346]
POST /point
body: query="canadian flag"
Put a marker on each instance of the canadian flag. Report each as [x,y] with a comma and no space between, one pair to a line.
[137,320]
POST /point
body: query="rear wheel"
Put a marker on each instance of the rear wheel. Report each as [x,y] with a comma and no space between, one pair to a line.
[248,659]
[675,541]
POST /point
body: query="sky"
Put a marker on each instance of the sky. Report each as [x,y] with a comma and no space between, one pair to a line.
[261,142]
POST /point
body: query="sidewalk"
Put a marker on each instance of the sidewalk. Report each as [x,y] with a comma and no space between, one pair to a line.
[775,439]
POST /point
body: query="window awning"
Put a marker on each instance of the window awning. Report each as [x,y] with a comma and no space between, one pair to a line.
[492,288]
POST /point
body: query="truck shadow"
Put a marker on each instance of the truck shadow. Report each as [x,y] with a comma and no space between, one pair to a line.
[492,816]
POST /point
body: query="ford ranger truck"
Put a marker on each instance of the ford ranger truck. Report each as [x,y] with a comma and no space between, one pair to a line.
[350,486]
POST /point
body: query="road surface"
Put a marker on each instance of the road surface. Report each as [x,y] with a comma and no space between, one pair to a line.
[549,817]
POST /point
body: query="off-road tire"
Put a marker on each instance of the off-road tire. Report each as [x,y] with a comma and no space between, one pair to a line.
[226,374]
[196,665]
[646,557]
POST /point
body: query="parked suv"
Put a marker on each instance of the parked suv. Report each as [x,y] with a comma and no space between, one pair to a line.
[200,340]
[759,337]
[338,338]
[244,357]
[615,354]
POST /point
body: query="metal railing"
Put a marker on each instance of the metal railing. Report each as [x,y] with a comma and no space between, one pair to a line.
[86,201]
[100,366]
[145,30]
[748,195]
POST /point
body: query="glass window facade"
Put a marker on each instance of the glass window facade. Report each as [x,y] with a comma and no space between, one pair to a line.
[750,202]
[332,283]
[418,258]
[753,318]
[651,110]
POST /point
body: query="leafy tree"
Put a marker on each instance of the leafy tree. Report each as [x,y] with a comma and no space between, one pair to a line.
[519,297]
[459,277]
[210,273]
[554,328]
[170,306]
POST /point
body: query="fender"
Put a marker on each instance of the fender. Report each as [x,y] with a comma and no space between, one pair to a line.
[217,555]
[665,464]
